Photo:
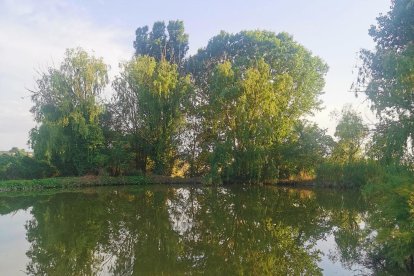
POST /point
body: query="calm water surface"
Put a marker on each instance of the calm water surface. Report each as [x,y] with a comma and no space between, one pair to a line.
[164,230]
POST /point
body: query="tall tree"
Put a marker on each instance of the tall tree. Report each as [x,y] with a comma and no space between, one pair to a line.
[163,42]
[148,105]
[67,108]
[387,78]
[253,86]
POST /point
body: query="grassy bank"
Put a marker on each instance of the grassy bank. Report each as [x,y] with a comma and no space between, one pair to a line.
[70,182]
[91,181]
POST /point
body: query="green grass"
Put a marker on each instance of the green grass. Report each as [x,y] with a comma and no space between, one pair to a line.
[70,182]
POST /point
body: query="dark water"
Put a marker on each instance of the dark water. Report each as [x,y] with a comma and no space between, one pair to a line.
[164,230]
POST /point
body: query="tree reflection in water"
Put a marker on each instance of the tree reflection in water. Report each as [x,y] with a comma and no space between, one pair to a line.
[190,230]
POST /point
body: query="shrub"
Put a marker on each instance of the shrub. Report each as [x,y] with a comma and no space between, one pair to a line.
[351,175]
[24,167]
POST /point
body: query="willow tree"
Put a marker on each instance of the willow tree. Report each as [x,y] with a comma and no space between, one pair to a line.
[148,106]
[67,109]
[254,86]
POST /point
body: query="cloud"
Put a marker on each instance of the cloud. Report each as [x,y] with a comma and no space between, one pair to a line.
[34,36]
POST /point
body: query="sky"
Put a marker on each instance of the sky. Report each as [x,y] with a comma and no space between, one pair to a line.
[34,35]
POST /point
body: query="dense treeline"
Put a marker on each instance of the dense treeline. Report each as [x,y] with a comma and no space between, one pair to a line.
[231,112]
[235,112]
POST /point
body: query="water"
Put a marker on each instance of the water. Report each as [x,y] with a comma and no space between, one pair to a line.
[164,230]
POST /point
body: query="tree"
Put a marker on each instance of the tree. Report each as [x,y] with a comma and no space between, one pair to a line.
[148,106]
[351,133]
[15,151]
[253,86]
[389,144]
[308,146]
[67,108]
[387,78]
[170,43]
[117,148]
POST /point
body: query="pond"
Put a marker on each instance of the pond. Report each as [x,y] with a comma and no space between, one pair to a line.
[183,230]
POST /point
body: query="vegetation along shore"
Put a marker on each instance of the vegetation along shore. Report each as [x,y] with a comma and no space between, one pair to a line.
[232,113]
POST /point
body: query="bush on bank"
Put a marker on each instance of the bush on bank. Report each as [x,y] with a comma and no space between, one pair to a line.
[350,175]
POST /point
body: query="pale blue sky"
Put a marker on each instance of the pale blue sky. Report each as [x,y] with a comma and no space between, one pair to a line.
[35,33]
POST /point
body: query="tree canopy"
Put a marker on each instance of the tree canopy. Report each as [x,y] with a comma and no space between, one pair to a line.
[351,133]
[228,112]
[387,78]
[148,105]
[253,87]
[162,42]
[66,106]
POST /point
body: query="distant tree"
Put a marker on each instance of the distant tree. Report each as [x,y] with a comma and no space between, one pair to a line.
[386,77]
[351,133]
[308,147]
[17,152]
[66,107]
[163,42]
[148,106]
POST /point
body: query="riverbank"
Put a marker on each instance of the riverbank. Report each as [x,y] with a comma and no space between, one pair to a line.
[91,181]
[94,181]
[306,183]
[70,182]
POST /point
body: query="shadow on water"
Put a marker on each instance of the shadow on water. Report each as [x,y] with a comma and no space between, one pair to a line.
[194,230]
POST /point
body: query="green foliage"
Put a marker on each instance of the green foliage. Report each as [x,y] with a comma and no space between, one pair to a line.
[66,107]
[148,106]
[387,79]
[117,151]
[70,182]
[18,165]
[169,43]
[351,133]
[232,117]
[347,175]
[389,144]
[249,105]
[307,147]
